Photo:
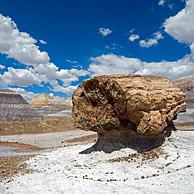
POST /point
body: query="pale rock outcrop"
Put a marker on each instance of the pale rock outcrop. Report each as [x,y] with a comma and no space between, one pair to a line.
[51,106]
[121,105]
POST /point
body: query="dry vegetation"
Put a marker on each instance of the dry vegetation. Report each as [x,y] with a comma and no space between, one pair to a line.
[36,126]
[143,157]
[11,166]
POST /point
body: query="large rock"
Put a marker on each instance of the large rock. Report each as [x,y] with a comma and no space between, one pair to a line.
[120,105]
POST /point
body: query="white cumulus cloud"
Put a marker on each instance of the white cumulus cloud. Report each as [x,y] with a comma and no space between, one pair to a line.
[181,26]
[19,45]
[62,88]
[20,77]
[105,31]
[71,61]
[114,64]
[22,47]
[161,2]
[27,95]
[2,66]
[152,41]
[133,37]
[42,42]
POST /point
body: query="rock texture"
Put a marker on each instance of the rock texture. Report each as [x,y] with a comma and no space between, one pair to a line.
[47,105]
[13,107]
[121,105]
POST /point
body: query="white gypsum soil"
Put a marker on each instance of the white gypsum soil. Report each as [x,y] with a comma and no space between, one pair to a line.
[65,170]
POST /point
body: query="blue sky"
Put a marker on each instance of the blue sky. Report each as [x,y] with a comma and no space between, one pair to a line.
[92,38]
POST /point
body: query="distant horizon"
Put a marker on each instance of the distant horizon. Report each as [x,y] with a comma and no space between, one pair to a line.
[51,48]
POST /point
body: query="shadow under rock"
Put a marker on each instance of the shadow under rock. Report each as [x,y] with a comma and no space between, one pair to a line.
[134,141]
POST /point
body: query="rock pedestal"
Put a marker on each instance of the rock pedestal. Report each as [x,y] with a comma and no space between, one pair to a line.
[122,106]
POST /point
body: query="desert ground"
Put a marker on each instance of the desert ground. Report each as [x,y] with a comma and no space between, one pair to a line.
[36,126]
[47,156]
[97,97]
[21,140]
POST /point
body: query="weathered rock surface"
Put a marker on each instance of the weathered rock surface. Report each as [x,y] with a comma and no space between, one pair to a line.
[121,105]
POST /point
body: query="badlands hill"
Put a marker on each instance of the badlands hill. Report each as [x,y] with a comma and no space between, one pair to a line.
[48,105]
[14,107]
[41,100]
[186,84]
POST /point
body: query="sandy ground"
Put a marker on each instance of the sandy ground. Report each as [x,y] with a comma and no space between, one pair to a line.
[9,166]
[36,126]
[185,126]
[12,158]
[8,149]
[47,140]
[49,152]
[168,169]
[15,149]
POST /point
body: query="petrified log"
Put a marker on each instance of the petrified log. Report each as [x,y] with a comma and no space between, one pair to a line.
[123,105]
